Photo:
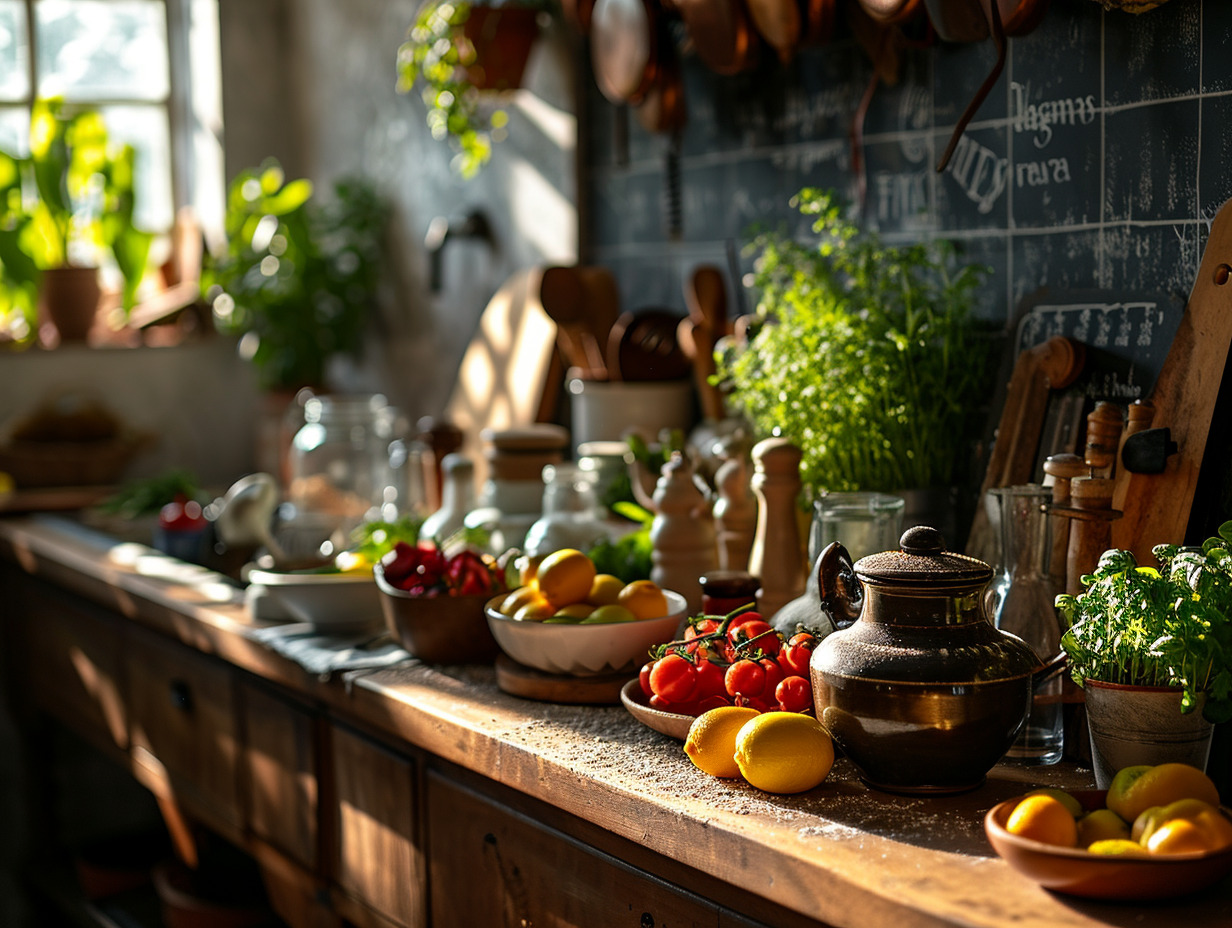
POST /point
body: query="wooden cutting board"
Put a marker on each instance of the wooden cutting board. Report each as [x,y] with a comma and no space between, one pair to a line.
[1157,506]
[520,680]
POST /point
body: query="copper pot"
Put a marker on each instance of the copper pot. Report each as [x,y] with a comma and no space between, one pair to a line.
[921,691]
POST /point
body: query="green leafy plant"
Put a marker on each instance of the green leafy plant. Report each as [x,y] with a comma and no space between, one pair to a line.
[441,57]
[1171,626]
[69,202]
[298,277]
[148,495]
[867,356]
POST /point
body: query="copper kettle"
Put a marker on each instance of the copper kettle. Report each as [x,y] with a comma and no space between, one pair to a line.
[921,691]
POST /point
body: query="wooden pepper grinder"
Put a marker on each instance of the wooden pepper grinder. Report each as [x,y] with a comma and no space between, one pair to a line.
[682,533]
[777,556]
[735,510]
[1063,468]
[1104,425]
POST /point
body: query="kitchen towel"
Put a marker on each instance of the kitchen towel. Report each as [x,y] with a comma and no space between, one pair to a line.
[325,655]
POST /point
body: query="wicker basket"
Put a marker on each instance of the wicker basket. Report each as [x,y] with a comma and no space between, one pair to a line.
[69,463]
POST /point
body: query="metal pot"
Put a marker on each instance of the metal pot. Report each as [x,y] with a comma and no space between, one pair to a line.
[921,691]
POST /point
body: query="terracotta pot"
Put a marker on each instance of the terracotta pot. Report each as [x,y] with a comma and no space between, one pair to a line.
[68,297]
[1142,725]
[503,38]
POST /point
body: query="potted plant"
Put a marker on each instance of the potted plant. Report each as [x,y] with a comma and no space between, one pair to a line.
[298,277]
[867,356]
[67,208]
[454,51]
[1152,648]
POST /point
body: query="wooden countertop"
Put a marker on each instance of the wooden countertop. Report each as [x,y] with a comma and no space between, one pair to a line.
[844,854]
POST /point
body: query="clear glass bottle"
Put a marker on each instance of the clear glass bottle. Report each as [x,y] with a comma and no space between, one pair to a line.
[1023,597]
[571,512]
[339,464]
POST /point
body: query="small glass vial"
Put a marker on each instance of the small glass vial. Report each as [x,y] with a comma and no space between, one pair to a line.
[724,591]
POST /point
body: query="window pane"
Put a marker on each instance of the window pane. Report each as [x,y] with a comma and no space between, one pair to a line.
[14,51]
[145,128]
[97,50]
[15,130]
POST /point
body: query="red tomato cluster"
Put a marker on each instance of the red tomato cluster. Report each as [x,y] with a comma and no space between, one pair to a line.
[425,570]
[739,660]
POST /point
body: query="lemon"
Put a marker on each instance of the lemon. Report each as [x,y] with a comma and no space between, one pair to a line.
[604,590]
[1074,806]
[711,743]
[519,598]
[565,577]
[643,598]
[1045,818]
[352,562]
[607,615]
[784,752]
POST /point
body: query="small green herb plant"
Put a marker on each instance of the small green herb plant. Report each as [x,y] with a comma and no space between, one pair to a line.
[69,202]
[867,356]
[1171,626]
[299,275]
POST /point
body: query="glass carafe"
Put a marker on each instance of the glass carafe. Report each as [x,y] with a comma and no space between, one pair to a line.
[1023,596]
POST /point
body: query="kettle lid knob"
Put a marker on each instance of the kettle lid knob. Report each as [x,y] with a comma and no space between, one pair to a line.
[922,539]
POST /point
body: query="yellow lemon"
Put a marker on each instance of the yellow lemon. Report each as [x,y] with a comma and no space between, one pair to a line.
[565,577]
[606,615]
[711,742]
[1074,806]
[604,590]
[1119,847]
[644,599]
[352,562]
[784,752]
[1135,789]
[519,598]
[534,611]
[575,611]
[1043,818]
[1101,825]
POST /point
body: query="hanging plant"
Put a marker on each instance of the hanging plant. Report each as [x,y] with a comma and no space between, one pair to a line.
[454,52]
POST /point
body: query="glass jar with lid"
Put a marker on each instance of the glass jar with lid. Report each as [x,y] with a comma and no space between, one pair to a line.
[340,464]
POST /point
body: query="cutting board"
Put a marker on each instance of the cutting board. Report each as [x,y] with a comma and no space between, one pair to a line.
[1157,506]
[520,680]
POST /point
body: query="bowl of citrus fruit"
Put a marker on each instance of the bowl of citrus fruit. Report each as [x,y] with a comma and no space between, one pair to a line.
[1158,831]
[567,618]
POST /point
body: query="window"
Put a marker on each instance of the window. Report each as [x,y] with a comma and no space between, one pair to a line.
[150,67]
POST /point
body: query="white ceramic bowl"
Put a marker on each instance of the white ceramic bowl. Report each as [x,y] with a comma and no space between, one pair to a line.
[330,602]
[584,650]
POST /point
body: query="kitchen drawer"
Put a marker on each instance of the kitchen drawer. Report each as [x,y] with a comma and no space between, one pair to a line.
[377,857]
[70,662]
[280,772]
[492,866]
[183,724]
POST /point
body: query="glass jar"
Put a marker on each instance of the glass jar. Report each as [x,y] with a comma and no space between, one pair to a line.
[571,512]
[339,464]
[865,523]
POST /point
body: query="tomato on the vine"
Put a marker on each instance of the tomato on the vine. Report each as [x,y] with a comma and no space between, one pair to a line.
[794,657]
[674,678]
[755,634]
[794,694]
[643,678]
[710,679]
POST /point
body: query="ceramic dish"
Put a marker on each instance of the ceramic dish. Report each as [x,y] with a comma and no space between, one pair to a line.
[437,629]
[330,602]
[582,650]
[673,724]
[1078,873]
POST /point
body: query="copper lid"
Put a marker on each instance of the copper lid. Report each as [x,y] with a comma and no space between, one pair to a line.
[923,561]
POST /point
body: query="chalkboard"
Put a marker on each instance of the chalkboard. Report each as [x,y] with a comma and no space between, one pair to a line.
[1126,336]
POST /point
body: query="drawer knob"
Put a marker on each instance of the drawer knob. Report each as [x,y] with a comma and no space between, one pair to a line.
[181,696]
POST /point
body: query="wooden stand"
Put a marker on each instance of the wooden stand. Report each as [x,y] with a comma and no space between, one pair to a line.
[599,690]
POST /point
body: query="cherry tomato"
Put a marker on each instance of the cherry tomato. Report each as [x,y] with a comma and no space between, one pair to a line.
[712,702]
[753,702]
[794,694]
[794,658]
[674,678]
[745,678]
[710,679]
[752,635]
[643,678]
[774,676]
[182,515]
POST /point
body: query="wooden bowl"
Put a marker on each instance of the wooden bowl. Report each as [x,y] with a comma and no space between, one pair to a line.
[437,629]
[673,724]
[1079,873]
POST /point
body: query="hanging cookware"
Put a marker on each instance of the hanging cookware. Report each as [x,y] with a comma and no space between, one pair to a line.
[721,33]
[891,12]
[624,48]
[921,691]
[662,108]
[971,21]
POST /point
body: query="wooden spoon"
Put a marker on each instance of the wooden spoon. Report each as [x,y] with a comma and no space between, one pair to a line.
[562,292]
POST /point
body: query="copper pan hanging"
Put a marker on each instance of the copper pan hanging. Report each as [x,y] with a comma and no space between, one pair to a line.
[721,32]
[624,48]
